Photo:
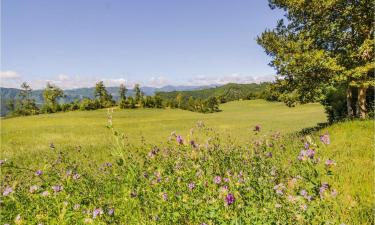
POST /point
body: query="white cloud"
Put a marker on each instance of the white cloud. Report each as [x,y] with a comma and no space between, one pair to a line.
[158,81]
[232,78]
[9,75]
[63,77]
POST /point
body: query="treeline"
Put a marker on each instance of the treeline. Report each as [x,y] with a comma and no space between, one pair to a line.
[24,105]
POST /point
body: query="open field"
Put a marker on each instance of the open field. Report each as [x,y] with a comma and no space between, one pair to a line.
[25,136]
[230,174]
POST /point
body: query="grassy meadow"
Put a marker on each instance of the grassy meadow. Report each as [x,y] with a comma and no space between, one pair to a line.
[25,136]
[218,171]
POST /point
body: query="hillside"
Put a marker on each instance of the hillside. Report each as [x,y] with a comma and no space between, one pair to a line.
[225,93]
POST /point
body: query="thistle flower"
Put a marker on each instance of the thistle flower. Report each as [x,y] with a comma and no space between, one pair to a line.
[230,199]
[111,211]
[57,188]
[322,189]
[165,196]
[76,176]
[191,186]
[7,191]
[325,139]
[45,193]
[97,212]
[217,180]
[330,163]
[179,140]
[279,188]
[38,173]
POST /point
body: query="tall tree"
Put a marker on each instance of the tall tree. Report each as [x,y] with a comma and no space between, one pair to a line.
[323,43]
[25,105]
[102,95]
[122,92]
[138,94]
[50,95]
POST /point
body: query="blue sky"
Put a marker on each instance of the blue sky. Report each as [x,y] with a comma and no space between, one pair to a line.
[75,43]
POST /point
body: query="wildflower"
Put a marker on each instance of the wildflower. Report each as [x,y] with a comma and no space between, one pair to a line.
[306,145]
[2,162]
[306,154]
[322,189]
[7,191]
[180,140]
[193,144]
[165,196]
[292,198]
[325,139]
[57,188]
[76,176]
[303,193]
[153,152]
[97,212]
[45,193]
[330,163]
[217,180]
[257,128]
[33,188]
[226,180]
[76,206]
[111,211]
[269,155]
[38,173]
[279,188]
[303,207]
[230,199]
[191,186]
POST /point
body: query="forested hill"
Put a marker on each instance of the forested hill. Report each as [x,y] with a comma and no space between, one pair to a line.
[225,93]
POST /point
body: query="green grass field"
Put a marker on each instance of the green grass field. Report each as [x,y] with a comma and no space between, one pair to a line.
[230,148]
[25,136]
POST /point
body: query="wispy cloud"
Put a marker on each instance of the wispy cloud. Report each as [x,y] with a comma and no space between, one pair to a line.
[9,74]
[12,79]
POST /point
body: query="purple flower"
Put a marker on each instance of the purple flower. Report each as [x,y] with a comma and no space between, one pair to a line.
[305,154]
[226,180]
[306,145]
[279,189]
[179,140]
[257,128]
[97,212]
[334,193]
[303,193]
[325,138]
[230,199]
[329,163]
[38,172]
[269,155]
[165,196]
[322,189]
[2,162]
[217,180]
[76,176]
[191,186]
[45,193]
[57,188]
[7,191]
[111,211]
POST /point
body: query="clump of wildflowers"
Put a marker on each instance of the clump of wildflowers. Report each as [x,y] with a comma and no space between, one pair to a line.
[191,186]
[325,139]
[180,140]
[279,189]
[217,180]
[97,212]
[7,191]
[57,188]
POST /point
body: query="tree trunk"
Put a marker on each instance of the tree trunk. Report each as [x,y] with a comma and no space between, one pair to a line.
[349,102]
[362,102]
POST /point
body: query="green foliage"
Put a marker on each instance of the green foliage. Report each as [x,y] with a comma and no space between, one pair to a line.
[323,43]
[90,104]
[50,95]
[105,99]
[24,105]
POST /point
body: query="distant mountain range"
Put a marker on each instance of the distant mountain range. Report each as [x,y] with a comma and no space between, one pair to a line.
[80,93]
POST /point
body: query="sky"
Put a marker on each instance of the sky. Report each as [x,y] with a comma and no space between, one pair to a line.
[75,43]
